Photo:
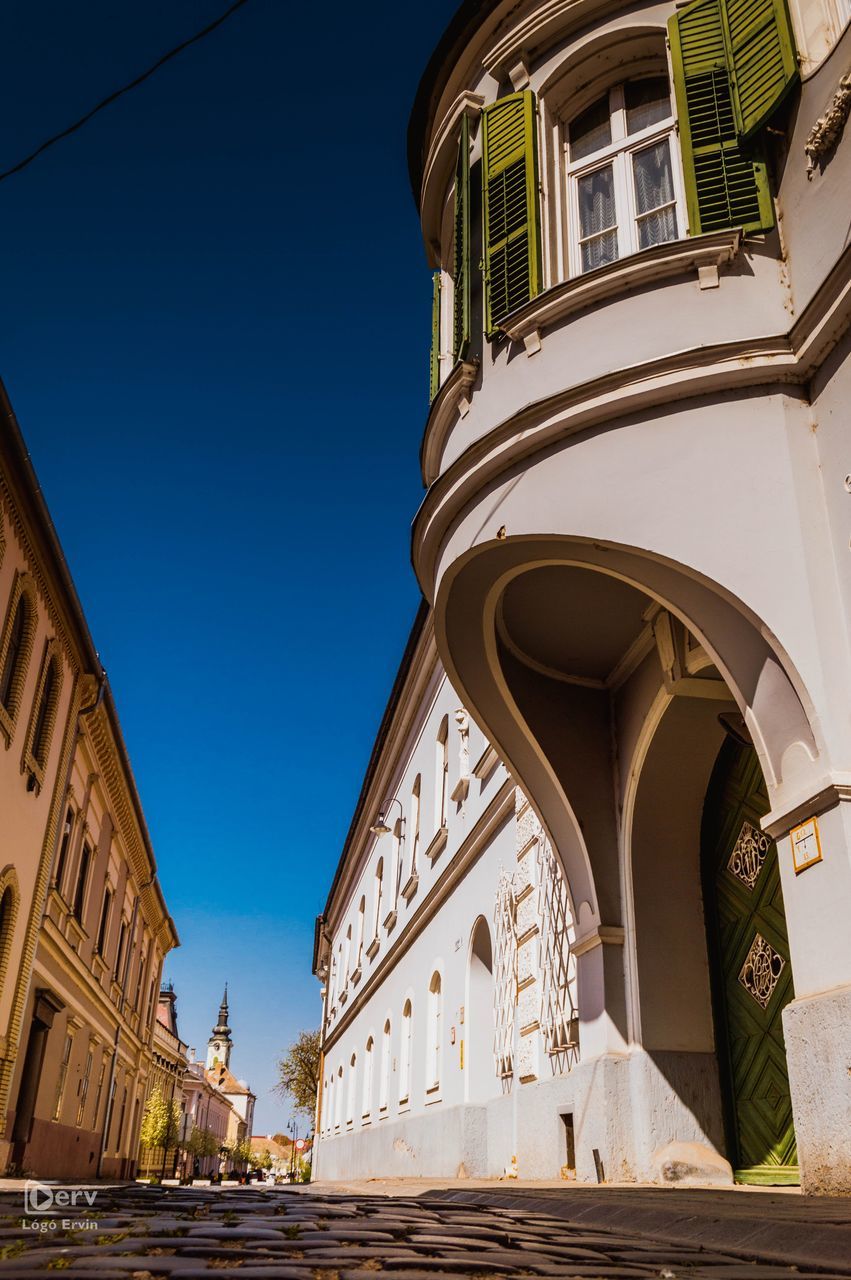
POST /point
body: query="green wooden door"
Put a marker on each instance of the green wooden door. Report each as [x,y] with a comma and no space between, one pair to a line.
[752,976]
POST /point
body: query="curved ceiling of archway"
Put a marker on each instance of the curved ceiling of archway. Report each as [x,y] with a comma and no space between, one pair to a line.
[571,622]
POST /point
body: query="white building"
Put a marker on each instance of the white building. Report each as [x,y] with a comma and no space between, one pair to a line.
[635,547]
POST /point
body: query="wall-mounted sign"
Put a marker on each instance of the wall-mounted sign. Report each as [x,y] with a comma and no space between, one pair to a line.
[806,845]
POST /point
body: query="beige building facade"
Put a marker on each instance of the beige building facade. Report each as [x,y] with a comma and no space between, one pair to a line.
[635,543]
[83,924]
[169,1061]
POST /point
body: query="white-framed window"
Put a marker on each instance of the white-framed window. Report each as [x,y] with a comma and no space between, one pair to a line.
[405,1055]
[435,1017]
[384,1085]
[623,173]
[441,775]
[366,1103]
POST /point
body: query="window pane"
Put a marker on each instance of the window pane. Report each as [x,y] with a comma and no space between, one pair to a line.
[647,102]
[654,195]
[597,218]
[596,202]
[591,131]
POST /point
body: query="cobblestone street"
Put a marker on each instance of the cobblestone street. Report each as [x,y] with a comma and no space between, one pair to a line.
[142,1233]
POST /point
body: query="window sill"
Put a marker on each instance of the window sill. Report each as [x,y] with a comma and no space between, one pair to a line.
[404,1105]
[344,995]
[390,921]
[437,844]
[356,976]
[703,254]
[410,886]
[374,947]
[461,789]
[383,1113]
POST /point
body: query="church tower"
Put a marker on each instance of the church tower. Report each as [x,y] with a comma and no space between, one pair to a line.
[219,1045]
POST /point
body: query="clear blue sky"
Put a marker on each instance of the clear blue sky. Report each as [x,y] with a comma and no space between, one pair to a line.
[215,316]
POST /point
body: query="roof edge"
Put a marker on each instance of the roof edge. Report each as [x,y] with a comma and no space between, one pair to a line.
[393,701]
[466,19]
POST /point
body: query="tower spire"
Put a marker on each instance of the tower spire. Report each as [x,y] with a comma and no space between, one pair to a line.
[219,1045]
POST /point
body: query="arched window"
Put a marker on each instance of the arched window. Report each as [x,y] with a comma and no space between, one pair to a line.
[8,917]
[366,1104]
[384,1084]
[359,935]
[378,892]
[415,823]
[441,775]
[338,1098]
[624,190]
[347,957]
[46,713]
[434,1048]
[350,1101]
[43,717]
[14,657]
[332,984]
[405,1056]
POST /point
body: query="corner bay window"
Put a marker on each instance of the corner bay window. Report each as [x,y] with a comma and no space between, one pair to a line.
[623,186]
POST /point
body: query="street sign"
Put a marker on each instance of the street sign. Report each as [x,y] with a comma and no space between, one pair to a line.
[300,1144]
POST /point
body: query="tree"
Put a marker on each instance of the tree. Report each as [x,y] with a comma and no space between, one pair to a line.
[202,1142]
[160,1121]
[262,1159]
[240,1152]
[298,1072]
[281,1139]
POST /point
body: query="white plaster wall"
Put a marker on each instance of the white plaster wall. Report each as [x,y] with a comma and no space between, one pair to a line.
[442,945]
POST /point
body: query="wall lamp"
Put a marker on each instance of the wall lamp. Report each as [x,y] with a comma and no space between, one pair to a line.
[380,826]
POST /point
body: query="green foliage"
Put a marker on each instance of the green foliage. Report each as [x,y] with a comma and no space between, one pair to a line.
[298,1072]
[240,1152]
[262,1159]
[160,1121]
[202,1142]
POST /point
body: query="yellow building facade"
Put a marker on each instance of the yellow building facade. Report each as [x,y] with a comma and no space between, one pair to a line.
[83,923]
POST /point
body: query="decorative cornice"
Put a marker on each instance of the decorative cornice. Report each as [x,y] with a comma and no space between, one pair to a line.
[703,254]
[500,808]
[545,23]
[451,402]
[824,794]
[110,767]
[602,935]
[792,358]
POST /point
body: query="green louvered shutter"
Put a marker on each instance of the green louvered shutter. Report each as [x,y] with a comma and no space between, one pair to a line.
[434,358]
[461,300]
[726,186]
[512,253]
[763,58]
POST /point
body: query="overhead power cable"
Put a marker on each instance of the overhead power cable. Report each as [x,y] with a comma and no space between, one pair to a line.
[119,93]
